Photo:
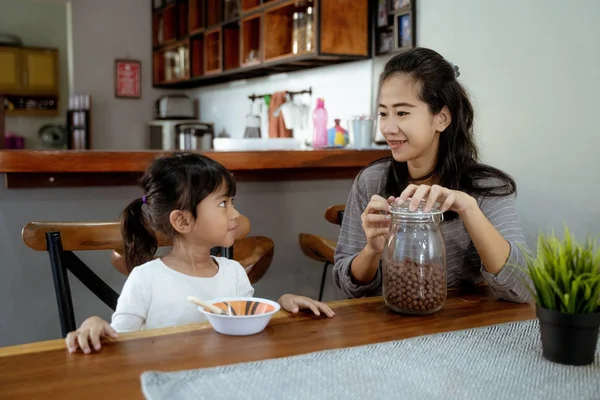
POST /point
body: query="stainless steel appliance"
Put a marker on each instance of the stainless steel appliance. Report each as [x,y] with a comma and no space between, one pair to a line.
[195,136]
[175,107]
[164,134]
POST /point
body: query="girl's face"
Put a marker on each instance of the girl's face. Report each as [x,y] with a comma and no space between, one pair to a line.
[216,220]
[406,122]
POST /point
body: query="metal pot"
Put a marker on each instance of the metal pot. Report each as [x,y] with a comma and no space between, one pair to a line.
[195,136]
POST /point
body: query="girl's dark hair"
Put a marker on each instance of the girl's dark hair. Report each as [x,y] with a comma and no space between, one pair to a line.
[176,182]
[457,165]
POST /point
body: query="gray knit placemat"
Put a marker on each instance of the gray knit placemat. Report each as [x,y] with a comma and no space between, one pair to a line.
[495,362]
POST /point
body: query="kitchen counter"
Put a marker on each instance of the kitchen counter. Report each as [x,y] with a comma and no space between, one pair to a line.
[30,168]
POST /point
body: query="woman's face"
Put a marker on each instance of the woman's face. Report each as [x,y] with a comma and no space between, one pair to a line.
[406,122]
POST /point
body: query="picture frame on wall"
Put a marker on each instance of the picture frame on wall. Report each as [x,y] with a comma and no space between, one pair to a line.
[404,34]
[400,4]
[128,79]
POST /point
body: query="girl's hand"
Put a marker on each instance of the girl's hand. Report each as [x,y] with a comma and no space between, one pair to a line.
[294,304]
[452,200]
[376,222]
[91,330]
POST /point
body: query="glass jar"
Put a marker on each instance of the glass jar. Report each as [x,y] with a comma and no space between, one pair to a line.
[299,33]
[414,261]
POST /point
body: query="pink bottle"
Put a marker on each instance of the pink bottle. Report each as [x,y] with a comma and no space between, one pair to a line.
[320,125]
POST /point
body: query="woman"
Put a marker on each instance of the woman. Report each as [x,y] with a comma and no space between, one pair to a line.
[427,120]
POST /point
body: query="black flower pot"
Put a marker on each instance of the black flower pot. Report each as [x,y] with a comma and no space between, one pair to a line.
[569,339]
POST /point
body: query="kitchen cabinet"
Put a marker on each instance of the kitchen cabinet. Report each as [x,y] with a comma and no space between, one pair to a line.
[227,40]
[40,71]
[28,71]
[10,70]
[29,80]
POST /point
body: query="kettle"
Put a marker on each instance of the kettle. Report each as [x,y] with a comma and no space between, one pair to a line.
[195,136]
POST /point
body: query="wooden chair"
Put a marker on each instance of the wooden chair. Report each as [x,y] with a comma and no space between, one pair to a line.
[61,239]
[322,249]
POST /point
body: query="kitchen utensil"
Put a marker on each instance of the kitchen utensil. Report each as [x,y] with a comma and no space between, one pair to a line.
[195,136]
[360,133]
[213,309]
[252,129]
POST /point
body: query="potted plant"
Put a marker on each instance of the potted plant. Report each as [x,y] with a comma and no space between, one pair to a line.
[565,276]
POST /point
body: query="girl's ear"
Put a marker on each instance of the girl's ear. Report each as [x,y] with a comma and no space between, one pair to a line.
[182,221]
[443,119]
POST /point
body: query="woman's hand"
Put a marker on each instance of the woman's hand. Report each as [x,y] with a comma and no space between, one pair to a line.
[452,200]
[91,330]
[294,304]
[376,222]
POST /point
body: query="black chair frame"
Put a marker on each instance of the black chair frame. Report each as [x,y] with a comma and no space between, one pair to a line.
[62,261]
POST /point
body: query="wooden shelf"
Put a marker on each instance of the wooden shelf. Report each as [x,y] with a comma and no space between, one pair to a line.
[250,5]
[214,12]
[213,51]
[197,19]
[231,46]
[251,49]
[264,29]
[197,56]
[26,168]
[31,113]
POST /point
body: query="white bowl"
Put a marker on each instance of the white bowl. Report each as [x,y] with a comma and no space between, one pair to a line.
[241,325]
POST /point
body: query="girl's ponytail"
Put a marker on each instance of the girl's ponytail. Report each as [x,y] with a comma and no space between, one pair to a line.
[139,239]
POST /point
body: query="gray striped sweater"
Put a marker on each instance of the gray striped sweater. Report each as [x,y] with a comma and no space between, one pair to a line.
[464,265]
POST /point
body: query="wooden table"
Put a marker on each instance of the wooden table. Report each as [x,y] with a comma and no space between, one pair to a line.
[66,168]
[47,370]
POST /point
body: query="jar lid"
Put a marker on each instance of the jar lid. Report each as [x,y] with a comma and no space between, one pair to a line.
[404,212]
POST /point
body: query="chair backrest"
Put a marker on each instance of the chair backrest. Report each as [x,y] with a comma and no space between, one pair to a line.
[335,214]
[78,236]
[60,239]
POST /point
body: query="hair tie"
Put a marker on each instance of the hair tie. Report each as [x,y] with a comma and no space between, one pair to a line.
[455,68]
[144,200]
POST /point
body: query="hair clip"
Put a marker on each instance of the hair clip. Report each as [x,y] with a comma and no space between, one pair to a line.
[144,200]
[455,68]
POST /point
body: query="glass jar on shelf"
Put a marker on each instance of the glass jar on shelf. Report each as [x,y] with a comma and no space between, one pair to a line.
[309,30]
[414,261]
[299,33]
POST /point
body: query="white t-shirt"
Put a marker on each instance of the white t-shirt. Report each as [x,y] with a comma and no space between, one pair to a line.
[155,296]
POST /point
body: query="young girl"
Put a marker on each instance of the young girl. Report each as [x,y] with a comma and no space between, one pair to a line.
[189,198]
[427,120]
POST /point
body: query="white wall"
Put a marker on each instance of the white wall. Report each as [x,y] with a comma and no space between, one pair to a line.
[102,32]
[533,70]
[38,25]
[345,88]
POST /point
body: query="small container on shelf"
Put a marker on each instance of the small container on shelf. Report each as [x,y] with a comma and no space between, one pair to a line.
[414,261]
[310,30]
[232,9]
[299,33]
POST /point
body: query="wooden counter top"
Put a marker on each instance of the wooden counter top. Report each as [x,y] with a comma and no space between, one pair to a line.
[25,168]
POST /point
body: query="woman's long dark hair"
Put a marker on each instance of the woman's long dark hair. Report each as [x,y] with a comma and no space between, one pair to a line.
[457,166]
[177,182]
